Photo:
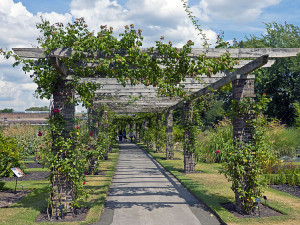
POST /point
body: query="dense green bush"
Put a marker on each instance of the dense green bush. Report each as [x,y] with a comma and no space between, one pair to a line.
[9,155]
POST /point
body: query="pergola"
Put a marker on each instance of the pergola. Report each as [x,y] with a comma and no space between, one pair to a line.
[141,98]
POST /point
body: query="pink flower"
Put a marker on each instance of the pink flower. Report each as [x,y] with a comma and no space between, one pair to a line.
[77,127]
[85,173]
[55,111]
[264,94]
[91,133]
[89,148]
[218,151]
[83,182]
[39,157]
[40,134]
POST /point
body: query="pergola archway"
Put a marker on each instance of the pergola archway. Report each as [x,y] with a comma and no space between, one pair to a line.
[141,98]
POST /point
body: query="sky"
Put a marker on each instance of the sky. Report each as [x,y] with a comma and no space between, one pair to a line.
[236,18]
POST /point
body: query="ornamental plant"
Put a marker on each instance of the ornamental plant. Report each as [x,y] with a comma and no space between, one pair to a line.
[244,163]
[10,155]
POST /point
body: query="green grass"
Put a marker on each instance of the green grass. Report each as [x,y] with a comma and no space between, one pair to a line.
[213,189]
[27,209]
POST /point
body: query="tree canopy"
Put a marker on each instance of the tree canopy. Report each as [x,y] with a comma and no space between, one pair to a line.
[281,82]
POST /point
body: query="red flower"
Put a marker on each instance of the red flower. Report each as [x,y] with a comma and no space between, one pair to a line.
[77,127]
[83,182]
[91,133]
[89,148]
[39,157]
[218,151]
[264,94]
[55,111]
[85,173]
[40,134]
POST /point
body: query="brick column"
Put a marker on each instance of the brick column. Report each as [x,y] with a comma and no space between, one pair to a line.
[105,129]
[169,134]
[242,88]
[63,192]
[188,138]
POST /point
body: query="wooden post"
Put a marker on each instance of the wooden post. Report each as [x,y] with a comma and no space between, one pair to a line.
[105,129]
[63,193]
[188,138]
[242,88]
[169,134]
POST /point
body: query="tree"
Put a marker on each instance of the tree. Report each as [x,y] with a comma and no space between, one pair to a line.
[43,108]
[281,82]
[6,110]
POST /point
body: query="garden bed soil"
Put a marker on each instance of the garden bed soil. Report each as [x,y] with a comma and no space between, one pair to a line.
[28,176]
[292,190]
[265,211]
[9,197]
[33,165]
[79,215]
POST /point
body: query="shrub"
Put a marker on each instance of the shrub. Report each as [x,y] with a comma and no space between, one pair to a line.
[9,155]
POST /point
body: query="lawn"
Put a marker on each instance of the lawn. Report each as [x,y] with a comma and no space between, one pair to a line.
[26,210]
[213,189]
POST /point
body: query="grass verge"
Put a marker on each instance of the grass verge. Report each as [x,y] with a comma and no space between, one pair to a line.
[213,189]
[26,210]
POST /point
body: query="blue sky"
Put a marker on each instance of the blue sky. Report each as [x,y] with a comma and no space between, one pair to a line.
[236,18]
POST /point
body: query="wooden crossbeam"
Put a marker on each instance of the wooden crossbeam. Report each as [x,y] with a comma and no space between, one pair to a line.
[238,74]
[196,52]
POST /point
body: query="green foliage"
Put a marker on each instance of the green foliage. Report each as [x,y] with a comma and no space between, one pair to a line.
[285,141]
[6,110]
[220,138]
[178,133]
[28,138]
[281,82]
[245,162]
[43,108]
[10,155]
[297,115]
[282,173]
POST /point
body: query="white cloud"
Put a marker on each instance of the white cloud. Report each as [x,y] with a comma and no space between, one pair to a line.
[155,17]
[239,11]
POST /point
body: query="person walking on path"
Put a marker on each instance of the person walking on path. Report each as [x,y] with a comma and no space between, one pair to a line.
[120,135]
[124,135]
[131,135]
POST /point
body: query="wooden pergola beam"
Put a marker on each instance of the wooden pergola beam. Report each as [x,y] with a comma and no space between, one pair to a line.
[242,72]
[210,52]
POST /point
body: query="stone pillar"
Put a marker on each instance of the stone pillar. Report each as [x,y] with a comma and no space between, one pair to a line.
[242,88]
[188,138]
[105,129]
[169,134]
[63,193]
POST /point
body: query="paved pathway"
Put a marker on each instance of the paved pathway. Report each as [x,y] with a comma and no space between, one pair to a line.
[143,193]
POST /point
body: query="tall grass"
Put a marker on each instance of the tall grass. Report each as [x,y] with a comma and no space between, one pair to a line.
[209,142]
[27,137]
[285,141]
[282,141]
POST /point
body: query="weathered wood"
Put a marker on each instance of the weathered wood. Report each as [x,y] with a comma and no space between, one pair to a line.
[169,134]
[210,52]
[238,74]
[59,66]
